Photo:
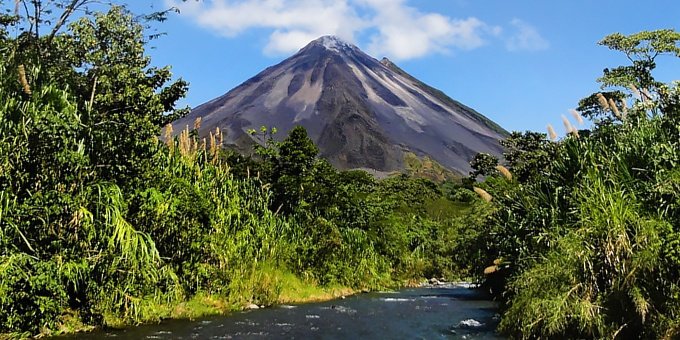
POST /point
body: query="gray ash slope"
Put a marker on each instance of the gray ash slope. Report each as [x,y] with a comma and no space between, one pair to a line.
[361,112]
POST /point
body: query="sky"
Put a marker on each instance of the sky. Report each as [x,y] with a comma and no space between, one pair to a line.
[522,63]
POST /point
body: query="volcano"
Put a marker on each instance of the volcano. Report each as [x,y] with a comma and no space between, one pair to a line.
[361,112]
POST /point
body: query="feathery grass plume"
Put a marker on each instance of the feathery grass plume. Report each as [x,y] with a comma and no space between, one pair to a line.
[193,144]
[483,194]
[184,142]
[570,128]
[624,105]
[23,80]
[551,133]
[602,101]
[167,135]
[490,270]
[576,116]
[504,171]
[197,123]
[219,136]
[92,94]
[635,91]
[615,108]
[567,124]
[212,147]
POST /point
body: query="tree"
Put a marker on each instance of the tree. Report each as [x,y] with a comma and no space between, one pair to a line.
[483,164]
[641,49]
[71,155]
[128,99]
[591,107]
[100,59]
[293,169]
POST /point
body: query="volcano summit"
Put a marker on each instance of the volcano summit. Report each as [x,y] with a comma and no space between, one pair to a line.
[361,112]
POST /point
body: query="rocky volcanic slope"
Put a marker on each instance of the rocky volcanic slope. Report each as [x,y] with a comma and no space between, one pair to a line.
[361,112]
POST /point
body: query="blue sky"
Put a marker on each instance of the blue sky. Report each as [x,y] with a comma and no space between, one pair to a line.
[521,63]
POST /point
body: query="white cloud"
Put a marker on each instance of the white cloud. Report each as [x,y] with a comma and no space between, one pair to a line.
[405,33]
[393,28]
[293,23]
[526,38]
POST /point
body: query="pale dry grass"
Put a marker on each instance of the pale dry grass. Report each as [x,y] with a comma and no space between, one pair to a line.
[635,91]
[483,194]
[505,172]
[602,101]
[568,127]
[551,133]
[615,108]
[577,116]
[23,80]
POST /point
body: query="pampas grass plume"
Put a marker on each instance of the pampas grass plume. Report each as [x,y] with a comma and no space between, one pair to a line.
[576,116]
[505,172]
[167,135]
[625,108]
[551,133]
[483,194]
[602,101]
[220,136]
[567,124]
[24,80]
[570,128]
[614,108]
[490,270]
[635,90]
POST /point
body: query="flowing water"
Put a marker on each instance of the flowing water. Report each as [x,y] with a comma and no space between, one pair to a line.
[451,311]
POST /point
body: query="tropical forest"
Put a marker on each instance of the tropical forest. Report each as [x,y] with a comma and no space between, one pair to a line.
[110,217]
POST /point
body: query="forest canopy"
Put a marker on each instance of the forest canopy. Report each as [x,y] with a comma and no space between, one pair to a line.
[110,218]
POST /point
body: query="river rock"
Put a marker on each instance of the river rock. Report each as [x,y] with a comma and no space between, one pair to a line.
[252,306]
[470,323]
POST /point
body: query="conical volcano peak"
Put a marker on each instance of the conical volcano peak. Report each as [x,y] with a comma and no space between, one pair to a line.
[333,43]
[386,61]
[361,113]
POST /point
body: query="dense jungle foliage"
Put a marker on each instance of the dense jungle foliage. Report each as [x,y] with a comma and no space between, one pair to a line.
[584,238]
[104,223]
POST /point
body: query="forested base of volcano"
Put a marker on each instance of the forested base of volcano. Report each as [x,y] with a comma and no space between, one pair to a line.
[104,224]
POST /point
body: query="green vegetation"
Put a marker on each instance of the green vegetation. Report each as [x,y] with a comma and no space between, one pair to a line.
[428,168]
[582,241]
[104,224]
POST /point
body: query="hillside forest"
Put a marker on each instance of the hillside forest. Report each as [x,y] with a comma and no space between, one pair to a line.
[110,218]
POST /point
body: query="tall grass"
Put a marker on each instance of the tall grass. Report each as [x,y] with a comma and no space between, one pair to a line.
[591,239]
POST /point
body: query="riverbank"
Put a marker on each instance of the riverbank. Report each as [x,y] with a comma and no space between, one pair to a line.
[441,311]
[289,289]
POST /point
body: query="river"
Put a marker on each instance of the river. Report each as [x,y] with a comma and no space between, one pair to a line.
[450,311]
